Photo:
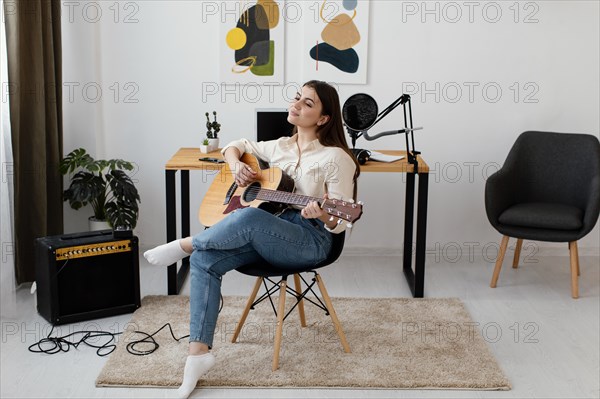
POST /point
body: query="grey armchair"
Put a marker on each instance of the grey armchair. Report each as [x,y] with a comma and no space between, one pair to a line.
[547,190]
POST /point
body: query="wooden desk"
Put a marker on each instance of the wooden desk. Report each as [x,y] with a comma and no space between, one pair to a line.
[187,159]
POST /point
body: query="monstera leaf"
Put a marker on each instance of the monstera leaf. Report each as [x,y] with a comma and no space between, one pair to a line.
[104,185]
[85,188]
[122,208]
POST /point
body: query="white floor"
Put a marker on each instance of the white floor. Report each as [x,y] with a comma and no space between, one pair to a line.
[547,343]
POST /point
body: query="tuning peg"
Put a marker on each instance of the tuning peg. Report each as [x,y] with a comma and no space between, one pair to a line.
[360,203]
[340,221]
[331,218]
[349,225]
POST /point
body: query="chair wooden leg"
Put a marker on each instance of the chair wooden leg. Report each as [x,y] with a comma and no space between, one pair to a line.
[301,303]
[331,310]
[578,269]
[501,253]
[517,253]
[280,315]
[574,269]
[251,299]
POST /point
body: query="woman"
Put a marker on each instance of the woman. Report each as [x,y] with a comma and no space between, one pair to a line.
[318,159]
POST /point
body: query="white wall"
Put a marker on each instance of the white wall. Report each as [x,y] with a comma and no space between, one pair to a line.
[168,58]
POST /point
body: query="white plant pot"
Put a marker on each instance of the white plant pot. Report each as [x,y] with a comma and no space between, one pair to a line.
[213,145]
[204,149]
[95,224]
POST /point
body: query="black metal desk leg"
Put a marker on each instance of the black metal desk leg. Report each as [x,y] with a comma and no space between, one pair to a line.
[185,225]
[408,230]
[171,227]
[421,235]
[185,203]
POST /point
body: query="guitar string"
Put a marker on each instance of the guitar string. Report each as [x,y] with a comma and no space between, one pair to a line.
[303,199]
[256,190]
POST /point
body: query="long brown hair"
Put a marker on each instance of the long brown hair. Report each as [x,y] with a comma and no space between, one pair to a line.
[331,133]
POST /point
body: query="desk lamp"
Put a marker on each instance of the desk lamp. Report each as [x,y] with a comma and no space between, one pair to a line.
[360,113]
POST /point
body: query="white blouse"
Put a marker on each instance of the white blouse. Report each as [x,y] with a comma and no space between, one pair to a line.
[316,170]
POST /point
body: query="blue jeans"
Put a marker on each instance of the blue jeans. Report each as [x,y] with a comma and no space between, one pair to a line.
[247,235]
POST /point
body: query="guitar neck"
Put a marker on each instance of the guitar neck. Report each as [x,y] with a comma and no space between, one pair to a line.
[284,197]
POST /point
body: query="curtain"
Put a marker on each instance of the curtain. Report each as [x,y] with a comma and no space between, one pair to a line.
[8,293]
[33,42]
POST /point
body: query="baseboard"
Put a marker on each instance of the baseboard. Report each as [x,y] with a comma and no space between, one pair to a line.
[453,250]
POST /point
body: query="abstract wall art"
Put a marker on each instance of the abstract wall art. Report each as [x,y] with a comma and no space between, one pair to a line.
[252,42]
[336,40]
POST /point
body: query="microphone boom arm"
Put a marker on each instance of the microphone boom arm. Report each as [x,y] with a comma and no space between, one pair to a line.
[403,100]
[388,133]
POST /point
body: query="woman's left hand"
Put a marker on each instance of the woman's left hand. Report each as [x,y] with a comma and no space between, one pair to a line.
[313,210]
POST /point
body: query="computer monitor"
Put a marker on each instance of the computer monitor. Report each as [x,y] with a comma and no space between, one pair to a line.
[271,124]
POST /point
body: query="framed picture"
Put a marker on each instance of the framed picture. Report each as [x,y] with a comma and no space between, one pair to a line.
[336,37]
[251,42]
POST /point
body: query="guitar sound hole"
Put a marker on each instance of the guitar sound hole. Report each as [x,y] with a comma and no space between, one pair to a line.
[251,192]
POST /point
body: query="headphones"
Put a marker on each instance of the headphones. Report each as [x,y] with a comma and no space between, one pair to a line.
[362,156]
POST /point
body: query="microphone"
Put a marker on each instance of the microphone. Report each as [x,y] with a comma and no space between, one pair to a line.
[354,134]
[360,113]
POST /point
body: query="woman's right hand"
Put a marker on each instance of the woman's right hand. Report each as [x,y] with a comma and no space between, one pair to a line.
[244,174]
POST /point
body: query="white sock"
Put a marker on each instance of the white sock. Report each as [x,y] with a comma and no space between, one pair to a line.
[195,367]
[166,254]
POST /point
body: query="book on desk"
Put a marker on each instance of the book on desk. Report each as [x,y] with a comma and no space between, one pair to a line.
[379,157]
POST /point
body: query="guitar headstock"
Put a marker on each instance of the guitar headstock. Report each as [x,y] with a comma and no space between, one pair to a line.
[348,211]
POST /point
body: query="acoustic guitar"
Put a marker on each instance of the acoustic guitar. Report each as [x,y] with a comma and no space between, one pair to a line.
[272,190]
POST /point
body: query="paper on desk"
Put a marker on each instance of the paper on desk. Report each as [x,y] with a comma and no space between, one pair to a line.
[379,157]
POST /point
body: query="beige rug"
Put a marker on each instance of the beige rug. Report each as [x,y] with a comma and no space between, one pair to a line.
[395,343]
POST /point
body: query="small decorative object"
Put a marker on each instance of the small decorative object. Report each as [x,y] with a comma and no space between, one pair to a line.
[104,185]
[212,132]
[204,147]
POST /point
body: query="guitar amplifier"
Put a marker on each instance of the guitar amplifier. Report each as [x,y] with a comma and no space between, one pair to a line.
[85,276]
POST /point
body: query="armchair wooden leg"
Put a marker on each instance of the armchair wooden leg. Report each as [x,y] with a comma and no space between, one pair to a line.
[501,253]
[251,299]
[301,303]
[280,316]
[517,253]
[578,270]
[574,269]
[331,310]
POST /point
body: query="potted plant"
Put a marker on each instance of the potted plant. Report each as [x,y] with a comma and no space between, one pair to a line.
[212,132]
[104,185]
[204,147]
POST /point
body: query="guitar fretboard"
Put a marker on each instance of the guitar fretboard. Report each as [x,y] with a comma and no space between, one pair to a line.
[285,197]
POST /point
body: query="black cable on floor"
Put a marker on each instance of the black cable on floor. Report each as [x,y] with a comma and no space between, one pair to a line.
[149,339]
[51,345]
